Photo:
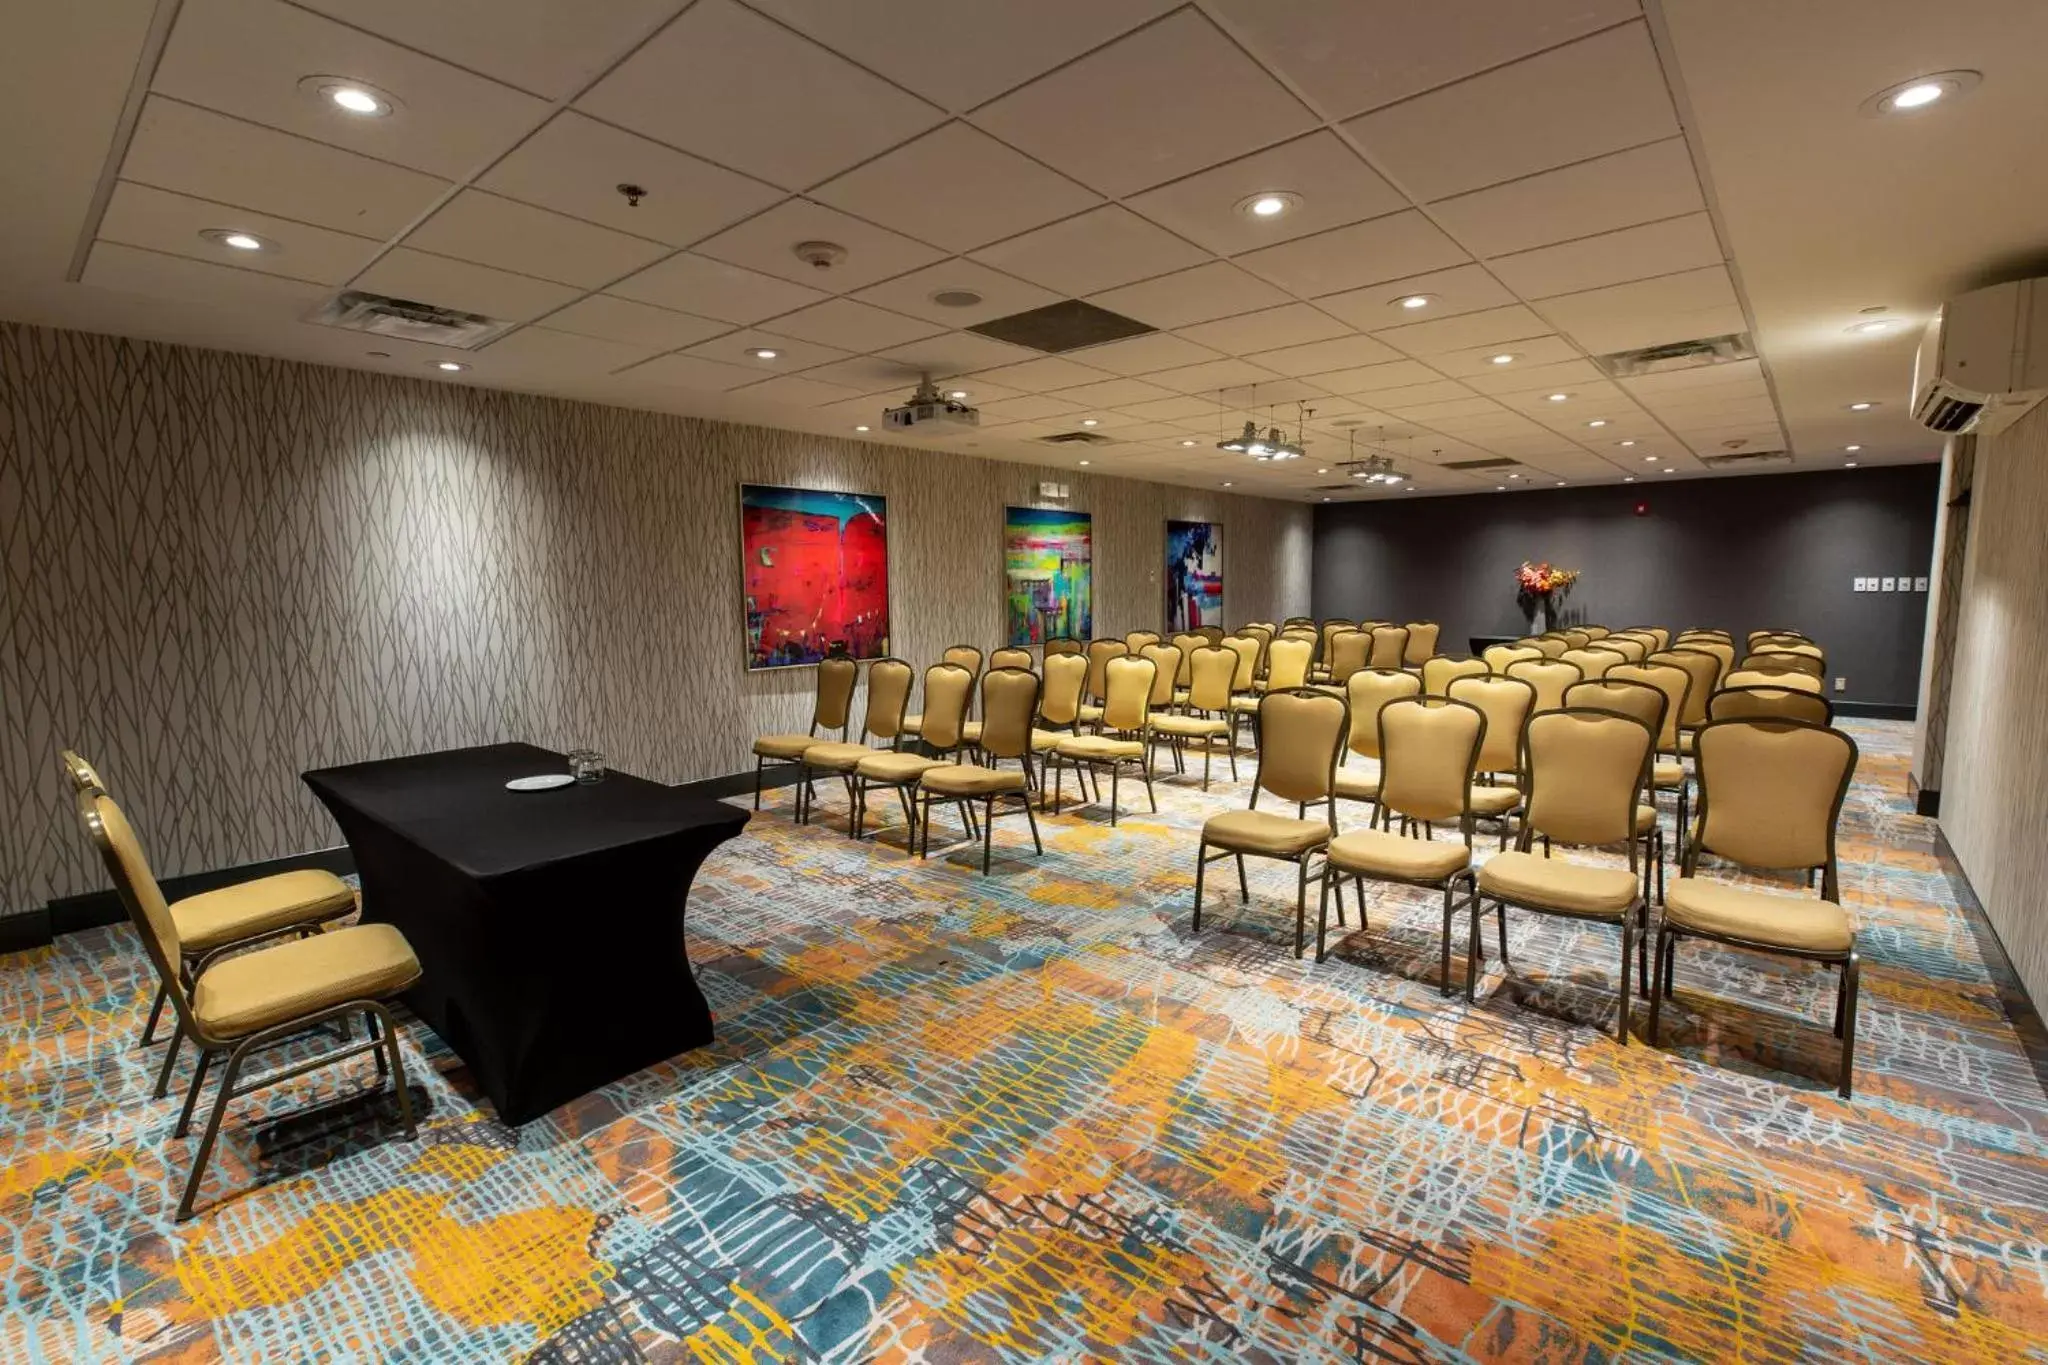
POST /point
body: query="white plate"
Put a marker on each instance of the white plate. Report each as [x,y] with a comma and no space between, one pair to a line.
[545,782]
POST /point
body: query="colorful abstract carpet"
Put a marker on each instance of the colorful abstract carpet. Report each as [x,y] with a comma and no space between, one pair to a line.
[1037,1118]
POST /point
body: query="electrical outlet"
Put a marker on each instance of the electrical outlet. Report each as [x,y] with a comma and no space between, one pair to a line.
[1919,585]
[1905,582]
[1890,585]
[1841,684]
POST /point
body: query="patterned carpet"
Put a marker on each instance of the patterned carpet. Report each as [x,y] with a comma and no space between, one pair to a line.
[1036,1118]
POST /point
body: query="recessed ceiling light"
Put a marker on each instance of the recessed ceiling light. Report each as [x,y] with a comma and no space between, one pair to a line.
[358,99]
[1558,397]
[860,428]
[1560,483]
[1414,301]
[238,240]
[1909,97]
[1322,471]
[957,393]
[1500,488]
[1597,422]
[450,365]
[1088,422]
[1852,449]
[1226,483]
[1502,359]
[1628,443]
[1084,463]
[1187,443]
[1628,478]
[1650,459]
[1865,406]
[1670,469]
[1514,476]
[763,352]
[1326,498]
[1268,204]
[1875,326]
[1848,464]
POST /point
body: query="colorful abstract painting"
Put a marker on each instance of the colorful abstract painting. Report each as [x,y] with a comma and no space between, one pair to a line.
[1046,565]
[817,574]
[1194,575]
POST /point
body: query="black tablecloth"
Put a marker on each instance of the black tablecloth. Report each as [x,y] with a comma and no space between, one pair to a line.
[1482,643]
[549,925]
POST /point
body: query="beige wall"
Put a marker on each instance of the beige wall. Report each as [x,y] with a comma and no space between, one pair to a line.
[221,570]
[1994,805]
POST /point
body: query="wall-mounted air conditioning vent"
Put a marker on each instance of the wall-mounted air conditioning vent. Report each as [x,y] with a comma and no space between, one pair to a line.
[406,320]
[1073,438]
[1984,362]
[1746,459]
[1678,355]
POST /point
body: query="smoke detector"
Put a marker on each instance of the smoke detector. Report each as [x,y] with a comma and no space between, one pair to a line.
[819,255]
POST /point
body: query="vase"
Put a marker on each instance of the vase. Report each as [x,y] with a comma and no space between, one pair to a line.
[1539,613]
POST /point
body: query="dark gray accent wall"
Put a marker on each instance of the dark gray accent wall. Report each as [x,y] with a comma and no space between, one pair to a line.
[1766,550]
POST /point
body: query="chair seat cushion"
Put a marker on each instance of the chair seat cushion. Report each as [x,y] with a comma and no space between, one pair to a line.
[836,757]
[1646,819]
[1189,727]
[1797,922]
[1495,800]
[969,779]
[1258,831]
[1042,740]
[1685,741]
[1250,704]
[1331,688]
[1180,696]
[913,724]
[239,995]
[1555,884]
[1359,784]
[246,909]
[970,732]
[783,746]
[1098,748]
[894,767]
[1089,714]
[1668,772]
[1378,854]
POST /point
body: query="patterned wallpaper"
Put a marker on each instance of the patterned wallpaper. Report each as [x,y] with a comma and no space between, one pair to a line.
[221,570]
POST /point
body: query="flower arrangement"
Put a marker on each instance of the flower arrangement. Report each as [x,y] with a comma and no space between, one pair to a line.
[1544,580]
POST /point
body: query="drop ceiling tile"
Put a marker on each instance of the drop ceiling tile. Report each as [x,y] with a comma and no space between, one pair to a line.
[1744,372]
[1388,248]
[1697,303]
[1401,400]
[1334,186]
[1424,339]
[1173,98]
[1641,185]
[197,152]
[574,165]
[247,57]
[541,46]
[1593,398]
[853,326]
[1338,353]
[797,391]
[1043,375]
[1177,409]
[1637,253]
[1001,295]
[1462,289]
[1216,290]
[1375,379]
[486,230]
[1291,324]
[1529,353]
[1031,407]
[1144,354]
[957,187]
[636,324]
[962,353]
[866,374]
[791,354]
[1348,56]
[1212,376]
[1114,393]
[690,283]
[204,285]
[768,241]
[541,352]
[700,86]
[691,372]
[1270,391]
[1097,250]
[407,274]
[161,221]
[1518,378]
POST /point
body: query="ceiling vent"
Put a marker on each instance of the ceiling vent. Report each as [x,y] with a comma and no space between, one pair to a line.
[1495,462]
[1065,326]
[1075,438]
[1746,459]
[1678,355]
[406,320]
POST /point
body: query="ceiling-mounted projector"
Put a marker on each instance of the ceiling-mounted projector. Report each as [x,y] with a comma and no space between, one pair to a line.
[930,409]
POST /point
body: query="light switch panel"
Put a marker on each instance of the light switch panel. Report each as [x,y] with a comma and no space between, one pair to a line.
[1905,582]
[1888,585]
[1862,585]
[1919,585]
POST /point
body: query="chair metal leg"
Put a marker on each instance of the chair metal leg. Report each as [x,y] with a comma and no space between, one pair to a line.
[1628,951]
[1032,820]
[988,833]
[1500,920]
[1059,772]
[1658,986]
[383,1064]
[759,763]
[156,1011]
[1233,761]
[1323,913]
[184,1124]
[1851,977]
[1244,890]
[397,1067]
[1670,962]
[1301,907]
[1115,776]
[1471,943]
[163,1074]
[220,1108]
[1201,866]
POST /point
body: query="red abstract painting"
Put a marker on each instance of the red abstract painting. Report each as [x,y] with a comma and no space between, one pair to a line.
[816,575]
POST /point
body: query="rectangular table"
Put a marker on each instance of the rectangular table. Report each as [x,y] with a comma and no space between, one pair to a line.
[549,925]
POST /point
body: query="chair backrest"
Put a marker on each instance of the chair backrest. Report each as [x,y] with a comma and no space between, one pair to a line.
[1127,704]
[1674,682]
[1429,749]
[84,777]
[1389,647]
[1247,649]
[1211,671]
[888,697]
[1770,703]
[947,690]
[1754,677]
[1287,663]
[1060,701]
[1575,638]
[1704,670]
[1100,652]
[1638,699]
[1009,658]
[1301,733]
[1213,634]
[1550,677]
[965,656]
[1705,633]
[1586,773]
[1166,664]
[1329,631]
[1757,639]
[1187,642]
[1771,793]
[1774,660]
[140,895]
[1438,670]
[1367,691]
[834,707]
[1660,637]
[1593,661]
[1593,632]
[1009,700]
[1349,651]
[1723,652]
[1550,645]
[1062,644]
[1136,640]
[1506,703]
[1421,643]
[1632,647]
[1498,657]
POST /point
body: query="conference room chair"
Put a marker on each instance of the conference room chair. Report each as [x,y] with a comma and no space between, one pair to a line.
[1294,621]
[1125,738]
[1634,648]
[1550,677]
[1365,693]
[1389,647]
[1429,747]
[946,689]
[1438,671]
[227,916]
[1136,640]
[1010,657]
[1756,677]
[1723,652]
[1328,633]
[236,1003]
[1211,669]
[1551,646]
[1593,661]
[831,709]
[1585,777]
[1593,632]
[1496,778]
[1704,672]
[1303,733]
[1770,703]
[1100,652]
[1062,644]
[889,683]
[1498,657]
[960,656]
[1667,768]
[1783,661]
[1575,638]
[1166,663]
[1243,680]
[1287,660]
[1009,701]
[1421,645]
[1756,639]
[1350,650]
[1647,704]
[1770,800]
[1660,637]
[1264,635]
[1059,709]
[1187,642]
[1642,634]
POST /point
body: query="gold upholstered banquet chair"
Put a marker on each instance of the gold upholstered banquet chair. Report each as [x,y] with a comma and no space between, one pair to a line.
[889,683]
[1389,647]
[1770,703]
[1782,661]
[1009,701]
[1208,718]
[1755,677]
[1010,657]
[1667,768]
[1498,657]
[1062,644]
[1349,652]
[1421,646]
[1125,738]
[1768,637]
[1550,645]
[1594,660]
[1770,799]
[1136,640]
[1287,660]
[1166,662]
[960,656]
[946,689]
[1304,732]
[1428,747]
[1365,693]
[1439,670]
[831,709]
[1593,632]
[1187,642]
[1574,638]
[1326,634]
[1496,777]
[1633,647]
[260,995]
[1549,676]
[1059,709]
[1723,652]
[209,921]
[1647,704]
[1585,778]
[1704,671]
[1100,652]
